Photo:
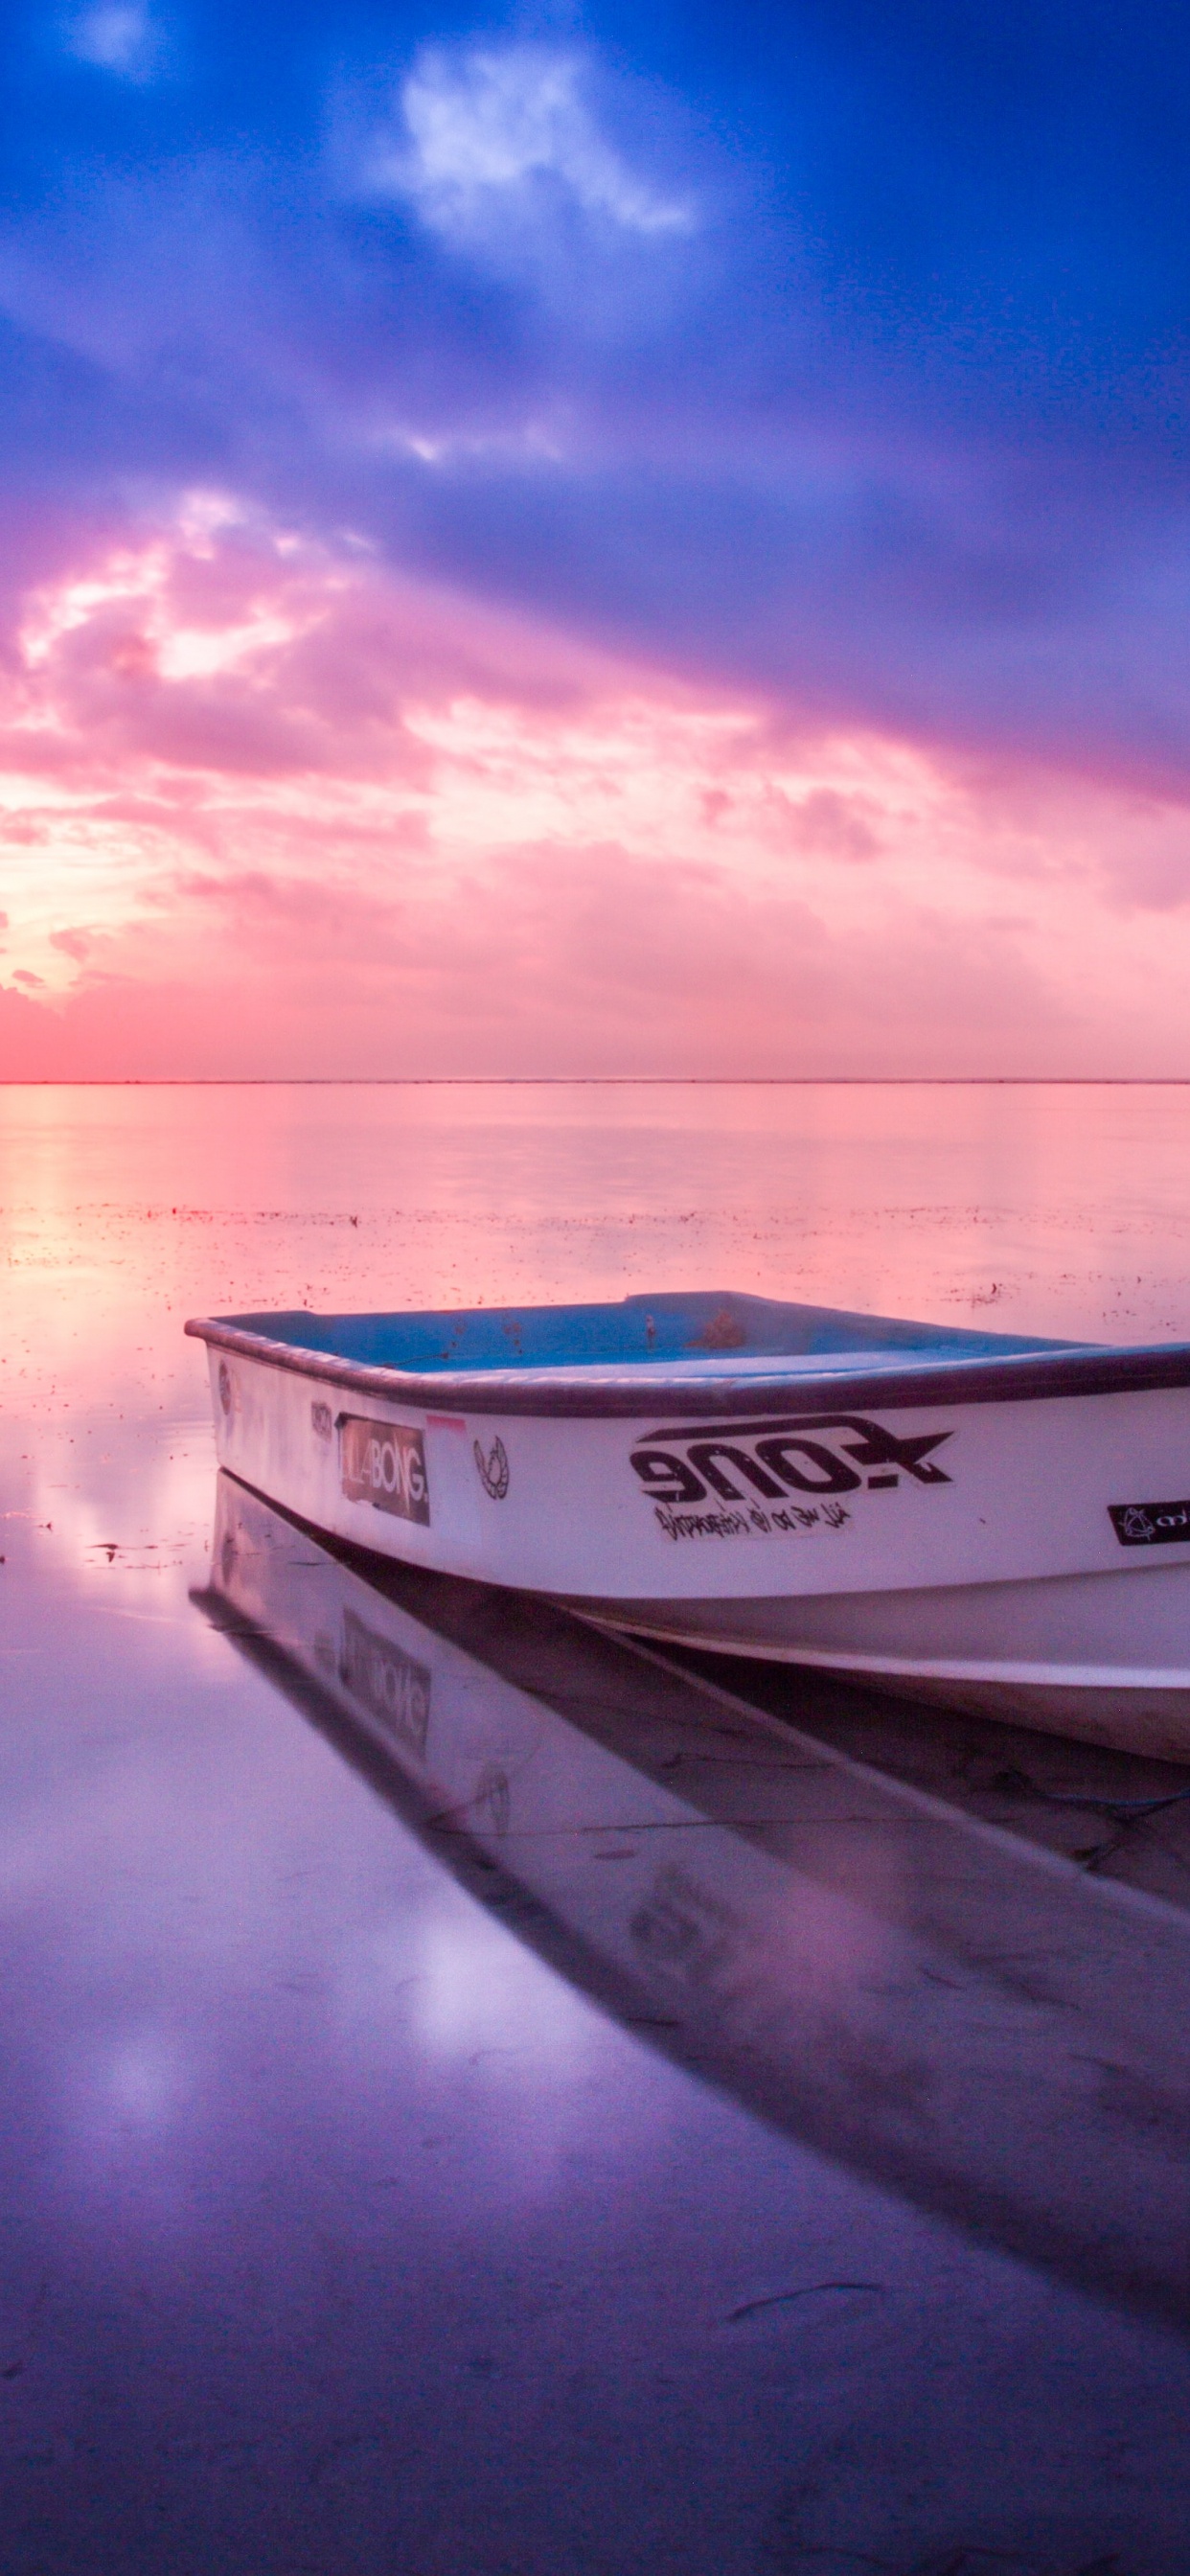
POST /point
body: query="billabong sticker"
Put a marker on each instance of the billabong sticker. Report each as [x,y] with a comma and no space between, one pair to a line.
[493,1470]
[384,1463]
[1151,1524]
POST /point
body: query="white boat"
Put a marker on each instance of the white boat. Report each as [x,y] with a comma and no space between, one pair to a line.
[996,1523]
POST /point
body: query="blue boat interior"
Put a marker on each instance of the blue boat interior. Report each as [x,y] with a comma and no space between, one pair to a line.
[669,1326]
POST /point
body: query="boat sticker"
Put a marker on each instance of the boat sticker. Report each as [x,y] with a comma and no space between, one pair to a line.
[777,1475]
[1151,1524]
[493,1470]
[384,1463]
[227,1392]
[321,1421]
[388,1684]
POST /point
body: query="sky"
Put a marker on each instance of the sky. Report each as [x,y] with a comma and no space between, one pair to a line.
[594,541]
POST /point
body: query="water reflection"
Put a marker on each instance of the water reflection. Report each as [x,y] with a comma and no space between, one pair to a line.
[942,2006]
[340,2232]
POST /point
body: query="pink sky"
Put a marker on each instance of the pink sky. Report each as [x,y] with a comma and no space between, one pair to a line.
[267,809]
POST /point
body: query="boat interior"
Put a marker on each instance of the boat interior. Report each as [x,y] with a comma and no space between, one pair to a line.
[700,1333]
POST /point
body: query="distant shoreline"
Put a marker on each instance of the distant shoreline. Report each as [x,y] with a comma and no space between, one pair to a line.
[598,1082]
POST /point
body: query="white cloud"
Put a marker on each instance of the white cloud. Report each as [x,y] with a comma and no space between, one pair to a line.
[117,36]
[497,141]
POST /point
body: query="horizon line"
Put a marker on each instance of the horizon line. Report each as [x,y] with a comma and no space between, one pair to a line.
[593,1081]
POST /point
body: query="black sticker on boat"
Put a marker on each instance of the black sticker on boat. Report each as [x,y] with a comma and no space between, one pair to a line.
[321,1422]
[757,1469]
[1151,1524]
[493,1470]
[776,1520]
[384,1463]
[388,1684]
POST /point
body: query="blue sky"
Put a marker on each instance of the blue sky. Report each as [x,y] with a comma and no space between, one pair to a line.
[835,356]
[838,347]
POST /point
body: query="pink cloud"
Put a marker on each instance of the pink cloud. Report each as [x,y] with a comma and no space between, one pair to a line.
[76,943]
[612,963]
[265,809]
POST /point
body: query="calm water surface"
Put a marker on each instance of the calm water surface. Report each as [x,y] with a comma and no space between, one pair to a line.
[589,2135]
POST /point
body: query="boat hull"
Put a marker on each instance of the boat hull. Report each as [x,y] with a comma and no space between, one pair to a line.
[1027,1558]
[1103,1657]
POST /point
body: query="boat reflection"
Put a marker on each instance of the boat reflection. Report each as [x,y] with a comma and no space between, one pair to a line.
[959,2015]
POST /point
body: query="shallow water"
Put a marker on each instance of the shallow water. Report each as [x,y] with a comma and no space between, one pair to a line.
[366,2204]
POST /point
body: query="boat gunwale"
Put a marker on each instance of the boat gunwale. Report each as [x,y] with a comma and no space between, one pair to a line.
[1020,1377]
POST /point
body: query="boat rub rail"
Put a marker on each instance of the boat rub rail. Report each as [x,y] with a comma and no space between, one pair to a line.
[608,1392]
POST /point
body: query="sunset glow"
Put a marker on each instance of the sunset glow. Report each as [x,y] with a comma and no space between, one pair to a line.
[536,687]
[264,807]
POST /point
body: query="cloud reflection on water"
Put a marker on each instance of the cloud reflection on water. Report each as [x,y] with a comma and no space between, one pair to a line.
[380,2246]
